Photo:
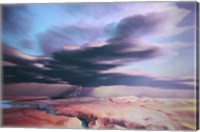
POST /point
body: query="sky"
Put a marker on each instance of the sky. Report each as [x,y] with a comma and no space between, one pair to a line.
[130,45]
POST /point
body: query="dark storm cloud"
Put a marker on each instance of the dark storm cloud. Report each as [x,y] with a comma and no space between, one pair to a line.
[76,68]
[25,68]
[25,74]
[16,19]
[82,66]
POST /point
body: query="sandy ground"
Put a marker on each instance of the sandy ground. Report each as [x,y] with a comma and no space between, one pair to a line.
[102,113]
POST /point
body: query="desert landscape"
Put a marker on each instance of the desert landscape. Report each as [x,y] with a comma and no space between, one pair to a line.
[101,113]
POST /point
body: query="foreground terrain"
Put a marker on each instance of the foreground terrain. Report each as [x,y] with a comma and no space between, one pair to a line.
[100,113]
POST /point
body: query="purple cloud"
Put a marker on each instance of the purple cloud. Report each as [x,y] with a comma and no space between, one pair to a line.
[138,25]
[57,37]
